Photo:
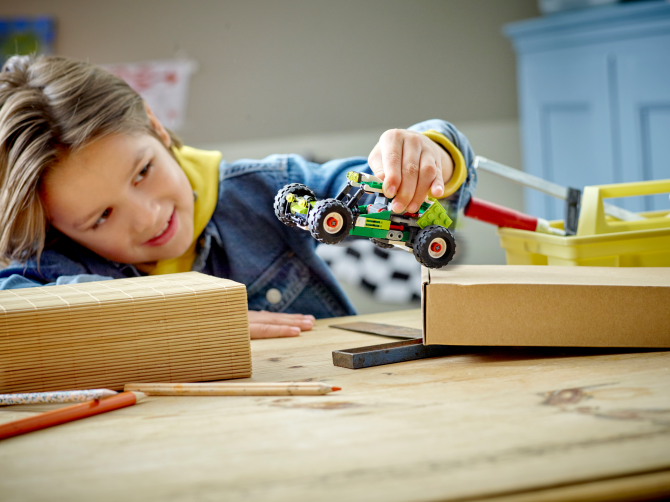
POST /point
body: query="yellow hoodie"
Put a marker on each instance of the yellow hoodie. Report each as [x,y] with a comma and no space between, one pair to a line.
[202,170]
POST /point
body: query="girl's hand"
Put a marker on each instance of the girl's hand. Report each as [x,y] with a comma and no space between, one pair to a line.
[412,166]
[266,324]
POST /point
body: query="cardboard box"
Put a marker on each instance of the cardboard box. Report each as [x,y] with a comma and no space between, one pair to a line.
[546,306]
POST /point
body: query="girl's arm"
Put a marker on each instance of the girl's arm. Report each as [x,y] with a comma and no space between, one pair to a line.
[409,161]
[261,324]
[16,281]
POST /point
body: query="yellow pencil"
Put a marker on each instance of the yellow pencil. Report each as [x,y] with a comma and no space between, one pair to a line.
[232,389]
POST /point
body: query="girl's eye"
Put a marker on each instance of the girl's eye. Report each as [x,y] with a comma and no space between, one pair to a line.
[143,173]
[103,217]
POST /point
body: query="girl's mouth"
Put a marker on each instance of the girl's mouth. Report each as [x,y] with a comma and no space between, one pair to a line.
[166,233]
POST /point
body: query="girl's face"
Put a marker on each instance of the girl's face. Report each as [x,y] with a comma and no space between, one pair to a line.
[123,197]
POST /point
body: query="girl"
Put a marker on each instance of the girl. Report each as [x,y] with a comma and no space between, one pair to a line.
[93,187]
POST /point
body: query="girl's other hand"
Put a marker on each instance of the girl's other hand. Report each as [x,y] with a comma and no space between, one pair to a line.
[264,324]
[412,166]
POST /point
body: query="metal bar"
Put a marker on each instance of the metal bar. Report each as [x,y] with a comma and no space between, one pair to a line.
[522,178]
[621,213]
[388,353]
[553,189]
[373,328]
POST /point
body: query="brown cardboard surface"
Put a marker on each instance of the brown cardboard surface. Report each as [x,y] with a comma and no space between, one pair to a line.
[547,306]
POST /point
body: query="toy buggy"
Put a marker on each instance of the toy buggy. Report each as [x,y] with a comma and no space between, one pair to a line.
[329,221]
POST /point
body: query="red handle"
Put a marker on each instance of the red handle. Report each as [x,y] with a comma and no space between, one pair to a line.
[500,216]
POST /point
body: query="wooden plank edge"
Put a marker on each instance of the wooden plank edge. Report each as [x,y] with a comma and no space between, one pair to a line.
[645,486]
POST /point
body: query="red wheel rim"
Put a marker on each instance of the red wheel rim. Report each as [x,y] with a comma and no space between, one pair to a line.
[437,248]
[333,222]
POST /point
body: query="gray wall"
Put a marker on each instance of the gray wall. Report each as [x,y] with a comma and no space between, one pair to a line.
[322,78]
[272,68]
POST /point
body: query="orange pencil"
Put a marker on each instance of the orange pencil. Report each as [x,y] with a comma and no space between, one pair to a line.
[69,414]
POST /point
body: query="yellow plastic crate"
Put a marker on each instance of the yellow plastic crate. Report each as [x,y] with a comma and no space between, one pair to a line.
[601,241]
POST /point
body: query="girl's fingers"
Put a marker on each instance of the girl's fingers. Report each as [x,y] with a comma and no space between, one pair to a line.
[258,331]
[303,322]
[437,188]
[264,324]
[411,175]
[430,177]
[411,166]
[391,146]
[375,162]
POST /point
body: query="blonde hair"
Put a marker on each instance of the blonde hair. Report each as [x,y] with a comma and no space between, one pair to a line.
[49,108]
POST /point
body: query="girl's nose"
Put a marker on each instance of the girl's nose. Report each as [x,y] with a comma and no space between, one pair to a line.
[144,214]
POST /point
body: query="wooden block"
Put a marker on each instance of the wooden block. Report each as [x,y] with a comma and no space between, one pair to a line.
[180,327]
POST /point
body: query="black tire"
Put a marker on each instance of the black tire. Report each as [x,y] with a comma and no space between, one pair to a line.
[434,246]
[380,243]
[330,221]
[281,205]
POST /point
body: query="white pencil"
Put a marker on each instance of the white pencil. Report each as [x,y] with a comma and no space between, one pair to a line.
[64,396]
[233,389]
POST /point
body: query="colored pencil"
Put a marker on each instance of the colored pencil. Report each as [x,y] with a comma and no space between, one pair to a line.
[69,414]
[233,389]
[64,396]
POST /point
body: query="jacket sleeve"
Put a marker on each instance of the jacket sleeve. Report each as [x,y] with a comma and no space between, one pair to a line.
[459,199]
[328,179]
[62,263]
[16,281]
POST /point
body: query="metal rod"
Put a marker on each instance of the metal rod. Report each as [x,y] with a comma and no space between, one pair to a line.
[522,178]
[389,353]
[553,189]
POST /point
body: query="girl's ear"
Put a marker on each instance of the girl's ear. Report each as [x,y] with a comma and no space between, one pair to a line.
[158,127]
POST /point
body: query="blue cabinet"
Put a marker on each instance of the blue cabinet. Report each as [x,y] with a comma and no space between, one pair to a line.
[594,99]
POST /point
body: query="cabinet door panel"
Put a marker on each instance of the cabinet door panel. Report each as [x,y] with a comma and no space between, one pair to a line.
[563,109]
[643,68]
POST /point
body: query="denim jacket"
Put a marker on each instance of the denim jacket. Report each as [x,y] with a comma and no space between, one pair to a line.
[244,241]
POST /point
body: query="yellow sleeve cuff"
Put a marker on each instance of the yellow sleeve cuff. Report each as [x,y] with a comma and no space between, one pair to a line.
[460,169]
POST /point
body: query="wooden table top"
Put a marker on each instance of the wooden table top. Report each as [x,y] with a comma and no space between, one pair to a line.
[496,424]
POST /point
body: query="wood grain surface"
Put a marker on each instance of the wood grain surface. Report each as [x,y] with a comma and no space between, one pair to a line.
[498,424]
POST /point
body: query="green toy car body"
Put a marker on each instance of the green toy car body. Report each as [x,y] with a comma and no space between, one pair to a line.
[425,233]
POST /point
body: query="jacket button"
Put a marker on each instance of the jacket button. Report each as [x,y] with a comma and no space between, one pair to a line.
[273,296]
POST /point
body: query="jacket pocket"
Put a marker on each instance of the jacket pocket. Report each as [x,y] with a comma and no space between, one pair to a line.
[279,285]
